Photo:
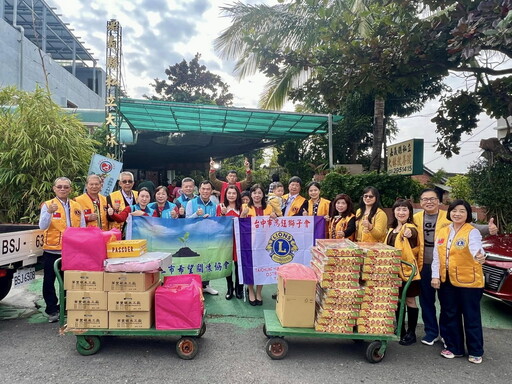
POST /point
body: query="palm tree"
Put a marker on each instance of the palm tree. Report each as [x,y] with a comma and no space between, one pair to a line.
[259,31]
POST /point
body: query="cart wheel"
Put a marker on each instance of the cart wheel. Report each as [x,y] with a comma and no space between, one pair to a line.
[265,331]
[372,352]
[187,348]
[202,330]
[88,345]
[277,348]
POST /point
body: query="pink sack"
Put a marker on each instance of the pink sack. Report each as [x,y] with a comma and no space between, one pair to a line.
[179,303]
[113,235]
[83,249]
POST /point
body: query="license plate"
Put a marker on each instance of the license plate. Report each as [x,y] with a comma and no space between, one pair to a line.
[23,276]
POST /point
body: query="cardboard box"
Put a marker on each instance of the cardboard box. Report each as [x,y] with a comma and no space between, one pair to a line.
[87,319]
[130,320]
[83,281]
[126,248]
[86,300]
[295,306]
[130,281]
[132,301]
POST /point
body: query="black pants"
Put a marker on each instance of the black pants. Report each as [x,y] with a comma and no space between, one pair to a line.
[49,295]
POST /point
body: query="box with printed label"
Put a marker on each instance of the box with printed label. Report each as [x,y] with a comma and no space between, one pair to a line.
[87,319]
[130,281]
[126,248]
[132,301]
[86,300]
[130,320]
[83,281]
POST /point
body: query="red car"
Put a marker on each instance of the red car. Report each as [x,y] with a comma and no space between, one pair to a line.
[498,267]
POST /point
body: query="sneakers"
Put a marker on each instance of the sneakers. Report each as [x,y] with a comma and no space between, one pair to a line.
[429,341]
[210,290]
[448,354]
[475,359]
[53,318]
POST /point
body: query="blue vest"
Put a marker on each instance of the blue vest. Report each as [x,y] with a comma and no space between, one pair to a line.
[166,212]
[183,200]
[208,209]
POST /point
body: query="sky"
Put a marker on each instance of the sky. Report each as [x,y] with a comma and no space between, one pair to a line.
[160,33]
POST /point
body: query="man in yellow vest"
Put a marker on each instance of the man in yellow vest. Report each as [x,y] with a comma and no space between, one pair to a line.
[94,204]
[429,222]
[123,197]
[56,215]
[294,202]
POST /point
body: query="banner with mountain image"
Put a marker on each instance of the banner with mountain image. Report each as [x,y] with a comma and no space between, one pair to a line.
[200,246]
[264,244]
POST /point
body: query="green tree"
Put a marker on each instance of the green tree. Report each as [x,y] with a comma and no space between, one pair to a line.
[39,143]
[192,83]
[489,184]
[330,50]
[461,188]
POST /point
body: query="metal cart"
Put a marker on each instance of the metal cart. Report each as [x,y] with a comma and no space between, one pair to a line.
[88,341]
[277,347]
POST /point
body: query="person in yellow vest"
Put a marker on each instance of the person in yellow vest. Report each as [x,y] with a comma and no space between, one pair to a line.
[430,221]
[122,198]
[93,203]
[459,277]
[342,223]
[317,206]
[257,207]
[295,204]
[56,215]
[371,220]
[403,235]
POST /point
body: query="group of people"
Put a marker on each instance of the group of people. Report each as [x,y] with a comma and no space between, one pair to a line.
[444,247]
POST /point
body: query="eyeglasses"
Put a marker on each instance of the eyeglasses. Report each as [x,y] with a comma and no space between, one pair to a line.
[127,181]
[62,186]
[429,199]
[368,196]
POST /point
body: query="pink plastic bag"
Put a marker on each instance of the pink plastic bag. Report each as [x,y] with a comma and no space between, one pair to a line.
[83,249]
[296,271]
[113,235]
[179,303]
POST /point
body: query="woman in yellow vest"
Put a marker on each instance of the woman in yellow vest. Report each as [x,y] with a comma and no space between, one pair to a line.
[257,207]
[460,280]
[371,221]
[403,235]
[342,223]
[317,206]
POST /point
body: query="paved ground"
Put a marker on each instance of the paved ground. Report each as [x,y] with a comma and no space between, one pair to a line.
[232,351]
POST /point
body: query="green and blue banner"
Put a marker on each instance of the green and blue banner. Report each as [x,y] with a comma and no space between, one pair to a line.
[200,246]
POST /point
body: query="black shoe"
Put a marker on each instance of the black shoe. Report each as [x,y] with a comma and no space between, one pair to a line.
[239,291]
[229,294]
[259,302]
[253,302]
[408,339]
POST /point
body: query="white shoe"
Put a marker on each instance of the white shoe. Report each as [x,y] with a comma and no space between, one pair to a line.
[429,342]
[210,290]
[53,318]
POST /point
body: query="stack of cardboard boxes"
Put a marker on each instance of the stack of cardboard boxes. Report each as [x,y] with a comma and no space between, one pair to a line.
[381,282]
[114,300]
[337,264]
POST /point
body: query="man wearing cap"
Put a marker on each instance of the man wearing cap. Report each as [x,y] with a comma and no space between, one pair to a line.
[56,215]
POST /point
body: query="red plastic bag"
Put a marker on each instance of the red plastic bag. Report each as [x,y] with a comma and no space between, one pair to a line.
[83,249]
[179,303]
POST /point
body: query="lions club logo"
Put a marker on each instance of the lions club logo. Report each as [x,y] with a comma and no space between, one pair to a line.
[281,247]
[460,243]
[106,166]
